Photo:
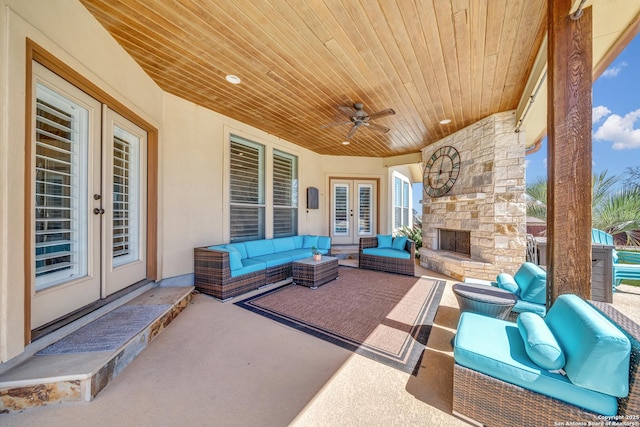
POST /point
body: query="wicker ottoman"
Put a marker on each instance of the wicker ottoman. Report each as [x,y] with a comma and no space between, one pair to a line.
[311,273]
[483,299]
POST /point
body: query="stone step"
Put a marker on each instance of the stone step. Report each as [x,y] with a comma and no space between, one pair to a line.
[77,367]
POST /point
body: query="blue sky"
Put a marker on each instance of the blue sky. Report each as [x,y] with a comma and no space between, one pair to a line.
[616,118]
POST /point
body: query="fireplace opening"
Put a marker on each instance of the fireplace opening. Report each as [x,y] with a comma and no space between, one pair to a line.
[457,241]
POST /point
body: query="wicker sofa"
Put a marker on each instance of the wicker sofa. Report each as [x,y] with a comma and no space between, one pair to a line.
[400,260]
[496,382]
[227,270]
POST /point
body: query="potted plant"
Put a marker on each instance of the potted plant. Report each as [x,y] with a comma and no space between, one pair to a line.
[316,254]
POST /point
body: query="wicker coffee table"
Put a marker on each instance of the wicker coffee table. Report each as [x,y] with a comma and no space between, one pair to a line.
[484,299]
[311,273]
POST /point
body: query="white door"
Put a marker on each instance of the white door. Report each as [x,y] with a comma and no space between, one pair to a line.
[124,194]
[86,197]
[353,210]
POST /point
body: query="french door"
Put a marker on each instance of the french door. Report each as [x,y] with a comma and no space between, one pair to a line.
[353,210]
[89,211]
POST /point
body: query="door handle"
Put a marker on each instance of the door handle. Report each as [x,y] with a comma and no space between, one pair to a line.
[98,211]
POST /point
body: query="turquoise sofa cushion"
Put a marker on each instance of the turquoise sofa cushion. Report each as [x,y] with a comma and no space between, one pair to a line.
[240,248]
[597,352]
[298,240]
[399,242]
[310,241]
[324,242]
[283,244]
[508,283]
[235,262]
[495,348]
[297,254]
[532,281]
[258,247]
[387,252]
[273,260]
[539,342]
[523,306]
[385,241]
[248,266]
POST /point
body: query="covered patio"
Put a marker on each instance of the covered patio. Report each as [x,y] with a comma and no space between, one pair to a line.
[214,122]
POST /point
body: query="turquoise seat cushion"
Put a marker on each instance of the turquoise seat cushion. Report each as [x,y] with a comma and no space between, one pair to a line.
[240,248]
[532,281]
[539,342]
[297,241]
[385,241]
[508,283]
[495,348]
[310,241]
[399,242]
[257,248]
[297,254]
[324,242]
[248,266]
[283,244]
[597,352]
[523,306]
[273,260]
[387,252]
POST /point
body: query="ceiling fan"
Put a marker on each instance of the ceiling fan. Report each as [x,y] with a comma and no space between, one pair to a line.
[358,117]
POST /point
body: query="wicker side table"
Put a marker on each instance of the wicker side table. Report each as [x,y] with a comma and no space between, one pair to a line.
[483,299]
[311,273]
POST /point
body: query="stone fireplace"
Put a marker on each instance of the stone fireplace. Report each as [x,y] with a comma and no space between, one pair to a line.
[477,230]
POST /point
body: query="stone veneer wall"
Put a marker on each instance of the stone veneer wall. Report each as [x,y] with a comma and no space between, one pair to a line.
[488,200]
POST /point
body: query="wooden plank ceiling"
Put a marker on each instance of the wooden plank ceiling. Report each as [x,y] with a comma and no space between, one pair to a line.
[299,61]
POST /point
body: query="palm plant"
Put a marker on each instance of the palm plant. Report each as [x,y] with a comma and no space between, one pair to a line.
[616,212]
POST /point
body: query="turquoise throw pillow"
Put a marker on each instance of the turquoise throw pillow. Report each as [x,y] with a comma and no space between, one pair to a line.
[508,283]
[385,241]
[235,262]
[539,342]
[399,242]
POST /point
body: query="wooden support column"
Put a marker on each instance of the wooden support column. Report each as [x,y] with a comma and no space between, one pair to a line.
[569,191]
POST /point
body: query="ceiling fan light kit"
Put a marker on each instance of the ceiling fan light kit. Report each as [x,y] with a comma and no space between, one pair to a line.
[358,117]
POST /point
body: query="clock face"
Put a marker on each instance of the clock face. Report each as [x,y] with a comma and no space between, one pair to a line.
[441,171]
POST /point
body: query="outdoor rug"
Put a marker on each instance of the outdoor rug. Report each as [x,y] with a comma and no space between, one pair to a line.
[385,317]
[109,332]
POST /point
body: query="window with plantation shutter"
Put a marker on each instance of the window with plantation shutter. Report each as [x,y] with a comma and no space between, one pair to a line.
[60,189]
[247,200]
[401,204]
[285,194]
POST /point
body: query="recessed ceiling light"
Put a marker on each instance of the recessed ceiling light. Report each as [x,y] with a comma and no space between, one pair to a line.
[233,79]
[345,143]
[445,121]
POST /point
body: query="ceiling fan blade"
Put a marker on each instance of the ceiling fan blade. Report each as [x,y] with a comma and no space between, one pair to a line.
[335,124]
[350,112]
[383,113]
[352,131]
[377,127]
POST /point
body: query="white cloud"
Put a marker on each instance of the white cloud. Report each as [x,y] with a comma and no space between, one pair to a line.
[614,70]
[544,162]
[599,112]
[526,163]
[620,131]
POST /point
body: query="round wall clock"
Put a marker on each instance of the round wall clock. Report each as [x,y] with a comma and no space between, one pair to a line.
[441,171]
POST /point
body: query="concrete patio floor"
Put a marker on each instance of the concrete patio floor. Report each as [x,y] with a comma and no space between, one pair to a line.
[220,365]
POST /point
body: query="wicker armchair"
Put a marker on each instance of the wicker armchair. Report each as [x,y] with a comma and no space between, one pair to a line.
[212,275]
[494,402]
[388,264]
